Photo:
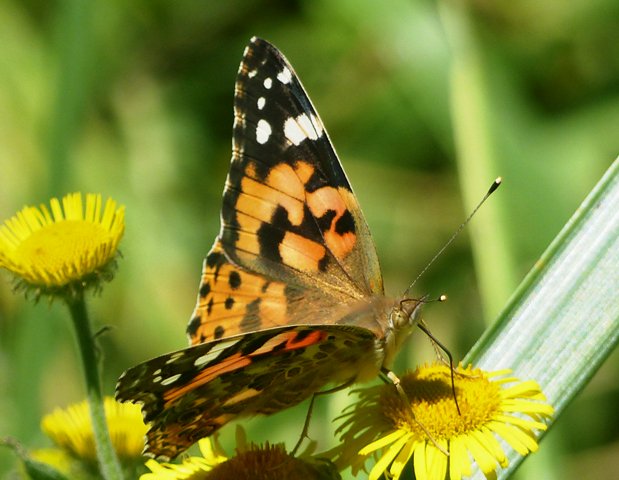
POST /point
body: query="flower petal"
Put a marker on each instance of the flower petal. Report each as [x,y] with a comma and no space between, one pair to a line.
[387,458]
[402,459]
[459,460]
[518,439]
[382,442]
[436,461]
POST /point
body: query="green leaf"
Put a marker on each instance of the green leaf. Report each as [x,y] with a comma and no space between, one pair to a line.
[563,320]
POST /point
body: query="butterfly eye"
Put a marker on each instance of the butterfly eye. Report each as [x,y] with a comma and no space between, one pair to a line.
[407,312]
[399,318]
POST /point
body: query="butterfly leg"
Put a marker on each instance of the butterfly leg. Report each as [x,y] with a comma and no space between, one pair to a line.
[311,407]
[439,347]
[395,380]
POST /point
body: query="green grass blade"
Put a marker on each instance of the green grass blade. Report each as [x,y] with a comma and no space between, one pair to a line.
[563,320]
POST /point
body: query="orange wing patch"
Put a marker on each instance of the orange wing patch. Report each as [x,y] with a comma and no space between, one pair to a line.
[340,236]
[232,301]
[286,219]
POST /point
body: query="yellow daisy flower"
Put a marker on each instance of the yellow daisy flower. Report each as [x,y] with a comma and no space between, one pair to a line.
[68,245]
[61,461]
[384,424]
[71,429]
[252,462]
[192,468]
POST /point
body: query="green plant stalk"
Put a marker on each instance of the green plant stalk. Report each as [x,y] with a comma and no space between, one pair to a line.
[472,106]
[563,320]
[108,462]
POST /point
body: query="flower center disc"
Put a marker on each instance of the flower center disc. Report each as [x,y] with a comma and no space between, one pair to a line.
[68,246]
[433,406]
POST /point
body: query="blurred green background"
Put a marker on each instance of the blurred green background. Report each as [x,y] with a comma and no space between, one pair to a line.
[426,103]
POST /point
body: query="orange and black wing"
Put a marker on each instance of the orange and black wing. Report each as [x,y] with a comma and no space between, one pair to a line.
[189,394]
[292,230]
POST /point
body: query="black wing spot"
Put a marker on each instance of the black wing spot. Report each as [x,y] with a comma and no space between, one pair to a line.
[229,303]
[215,260]
[219,331]
[193,326]
[325,221]
[205,289]
[234,279]
[271,237]
[209,306]
[345,224]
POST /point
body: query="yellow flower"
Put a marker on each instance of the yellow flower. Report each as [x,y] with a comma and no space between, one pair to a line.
[252,462]
[66,247]
[71,429]
[382,423]
[60,461]
[192,468]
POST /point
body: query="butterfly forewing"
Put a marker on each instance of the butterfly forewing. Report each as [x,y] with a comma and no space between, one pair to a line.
[288,211]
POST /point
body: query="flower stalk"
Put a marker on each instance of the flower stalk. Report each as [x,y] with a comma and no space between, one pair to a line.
[110,468]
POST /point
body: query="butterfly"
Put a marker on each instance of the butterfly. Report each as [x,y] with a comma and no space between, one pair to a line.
[291,295]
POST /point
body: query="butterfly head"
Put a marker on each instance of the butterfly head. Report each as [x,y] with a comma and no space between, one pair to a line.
[402,320]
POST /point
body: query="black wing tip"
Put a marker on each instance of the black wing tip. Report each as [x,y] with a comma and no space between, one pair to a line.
[256,42]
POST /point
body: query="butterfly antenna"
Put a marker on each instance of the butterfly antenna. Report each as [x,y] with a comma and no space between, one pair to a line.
[490,191]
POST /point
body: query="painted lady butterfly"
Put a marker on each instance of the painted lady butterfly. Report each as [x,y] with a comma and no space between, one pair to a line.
[291,297]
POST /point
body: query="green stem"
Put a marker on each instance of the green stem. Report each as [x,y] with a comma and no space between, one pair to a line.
[110,468]
[474,111]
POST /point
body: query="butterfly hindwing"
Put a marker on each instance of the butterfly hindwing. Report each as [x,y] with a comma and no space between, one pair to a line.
[191,393]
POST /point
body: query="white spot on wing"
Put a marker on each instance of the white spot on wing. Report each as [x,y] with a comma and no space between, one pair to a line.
[263,131]
[252,74]
[284,76]
[206,358]
[261,102]
[171,379]
[157,379]
[317,125]
[293,131]
[225,344]
[174,357]
[298,129]
[268,83]
[308,126]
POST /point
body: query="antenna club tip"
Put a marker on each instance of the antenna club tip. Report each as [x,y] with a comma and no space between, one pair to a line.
[494,186]
[442,298]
